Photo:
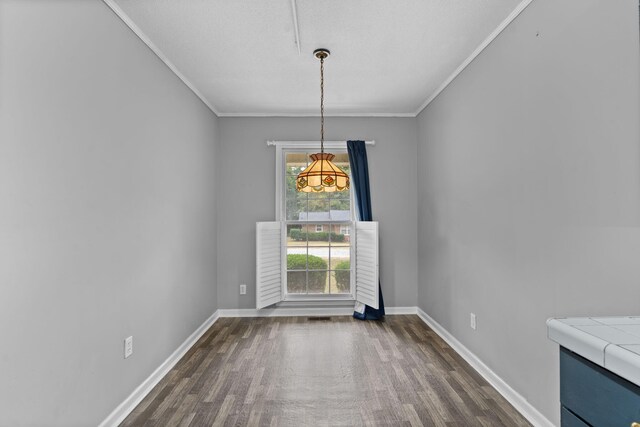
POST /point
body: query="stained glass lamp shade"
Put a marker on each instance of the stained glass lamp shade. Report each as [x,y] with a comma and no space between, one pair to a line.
[322,176]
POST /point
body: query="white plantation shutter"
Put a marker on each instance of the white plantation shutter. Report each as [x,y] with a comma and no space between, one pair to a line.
[366,265]
[268,263]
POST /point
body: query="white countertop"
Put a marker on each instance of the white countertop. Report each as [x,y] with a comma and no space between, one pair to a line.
[611,342]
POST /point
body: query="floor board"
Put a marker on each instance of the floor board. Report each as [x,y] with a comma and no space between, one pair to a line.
[292,371]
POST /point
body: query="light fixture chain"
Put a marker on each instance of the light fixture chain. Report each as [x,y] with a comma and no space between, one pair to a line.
[322,105]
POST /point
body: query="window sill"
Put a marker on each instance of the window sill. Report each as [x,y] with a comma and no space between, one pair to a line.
[346,301]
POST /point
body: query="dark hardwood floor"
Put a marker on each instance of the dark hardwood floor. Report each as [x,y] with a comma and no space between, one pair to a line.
[292,371]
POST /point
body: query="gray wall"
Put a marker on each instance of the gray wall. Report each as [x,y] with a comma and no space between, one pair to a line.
[246,177]
[107,212]
[529,188]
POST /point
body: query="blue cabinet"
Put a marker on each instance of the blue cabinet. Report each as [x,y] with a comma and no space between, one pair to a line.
[593,396]
[569,419]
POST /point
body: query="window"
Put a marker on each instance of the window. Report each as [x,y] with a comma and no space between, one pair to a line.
[295,261]
[318,252]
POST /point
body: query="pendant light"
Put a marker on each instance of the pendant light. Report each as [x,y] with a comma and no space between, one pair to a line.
[322,175]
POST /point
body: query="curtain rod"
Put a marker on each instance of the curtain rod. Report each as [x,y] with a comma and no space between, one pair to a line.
[270,143]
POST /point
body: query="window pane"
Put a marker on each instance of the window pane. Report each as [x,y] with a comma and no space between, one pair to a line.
[296,247]
[290,184]
[340,239]
[340,256]
[296,235]
[318,264]
[340,210]
[317,233]
[318,210]
[342,161]
[340,281]
[296,258]
[321,196]
[295,202]
[318,257]
[296,163]
[296,205]
[318,282]
[296,282]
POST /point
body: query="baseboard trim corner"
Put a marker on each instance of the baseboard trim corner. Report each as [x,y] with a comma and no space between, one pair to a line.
[521,404]
[120,413]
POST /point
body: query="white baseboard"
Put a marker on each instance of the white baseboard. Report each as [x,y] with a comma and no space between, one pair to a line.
[305,311]
[516,399]
[401,310]
[125,408]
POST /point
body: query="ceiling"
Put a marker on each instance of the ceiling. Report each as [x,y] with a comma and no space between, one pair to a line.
[388,58]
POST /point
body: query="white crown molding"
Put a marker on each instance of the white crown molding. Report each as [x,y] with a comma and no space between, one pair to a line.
[155,49]
[504,24]
[518,401]
[120,413]
[137,31]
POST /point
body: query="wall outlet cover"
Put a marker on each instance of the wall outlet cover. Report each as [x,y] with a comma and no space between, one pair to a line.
[243,289]
[472,321]
[128,347]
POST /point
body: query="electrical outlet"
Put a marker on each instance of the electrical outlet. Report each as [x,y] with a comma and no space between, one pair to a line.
[243,289]
[128,347]
[472,321]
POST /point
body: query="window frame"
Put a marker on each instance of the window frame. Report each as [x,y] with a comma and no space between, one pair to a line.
[304,147]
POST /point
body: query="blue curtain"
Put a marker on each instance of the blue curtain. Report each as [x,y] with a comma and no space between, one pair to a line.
[360,184]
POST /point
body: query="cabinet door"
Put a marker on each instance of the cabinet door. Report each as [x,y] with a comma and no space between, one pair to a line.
[569,420]
[596,395]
